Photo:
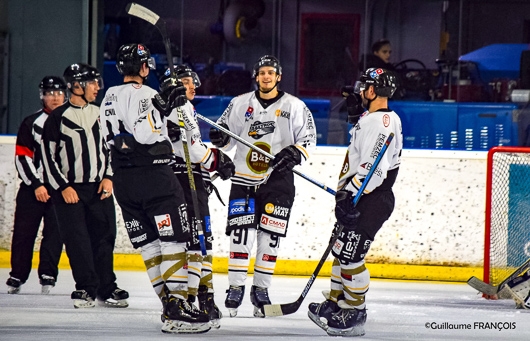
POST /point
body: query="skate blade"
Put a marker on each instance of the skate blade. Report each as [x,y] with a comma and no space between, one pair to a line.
[216,323]
[13,290]
[110,303]
[355,331]
[84,304]
[45,290]
[181,327]
[258,312]
[316,319]
[232,312]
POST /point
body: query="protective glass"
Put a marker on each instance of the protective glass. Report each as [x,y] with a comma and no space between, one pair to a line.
[54,93]
[98,80]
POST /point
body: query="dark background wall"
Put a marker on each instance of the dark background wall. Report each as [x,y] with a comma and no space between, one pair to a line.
[47,35]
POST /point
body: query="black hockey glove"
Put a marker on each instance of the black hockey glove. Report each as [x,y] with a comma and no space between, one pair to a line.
[354,104]
[222,164]
[172,97]
[219,138]
[286,159]
[345,212]
[173,131]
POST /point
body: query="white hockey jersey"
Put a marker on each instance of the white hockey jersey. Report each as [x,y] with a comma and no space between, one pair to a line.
[285,122]
[128,109]
[367,138]
[199,152]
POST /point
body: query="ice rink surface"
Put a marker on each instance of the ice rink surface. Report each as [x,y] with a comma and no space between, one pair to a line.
[397,310]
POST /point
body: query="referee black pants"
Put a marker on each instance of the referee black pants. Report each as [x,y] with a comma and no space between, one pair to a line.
[29,213]
[88,229]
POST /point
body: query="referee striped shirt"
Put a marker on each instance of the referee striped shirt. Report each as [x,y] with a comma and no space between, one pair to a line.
[28,156]
[73,148]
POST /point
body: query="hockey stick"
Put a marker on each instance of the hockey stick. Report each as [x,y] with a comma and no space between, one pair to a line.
[146,14]
[250,145]
[289,308]
[491,290]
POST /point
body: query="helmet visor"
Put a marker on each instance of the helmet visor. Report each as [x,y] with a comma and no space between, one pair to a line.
[151,63]
[358,87]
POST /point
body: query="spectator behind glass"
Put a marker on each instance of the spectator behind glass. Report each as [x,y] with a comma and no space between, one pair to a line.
[379,58]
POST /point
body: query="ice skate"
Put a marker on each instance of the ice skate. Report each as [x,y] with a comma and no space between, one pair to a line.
[13,285]
[321,313]
[183,319]
[82,299]
[47,282]
[207,304]
[347,322]
[259,297]
[234,297]
[117,299]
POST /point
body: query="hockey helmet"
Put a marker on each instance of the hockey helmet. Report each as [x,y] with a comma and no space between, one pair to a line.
[131,57]
[383,81]
[181,71]
[81,73]
[267,60]
[51,83]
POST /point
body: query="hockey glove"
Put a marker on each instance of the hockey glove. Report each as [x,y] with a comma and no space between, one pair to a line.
[222,164]
[173,131]
[172,97]
[286,159]
[354,104]
[218,137]
[345,212]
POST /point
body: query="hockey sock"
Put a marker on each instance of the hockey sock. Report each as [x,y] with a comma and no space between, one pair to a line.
[173,268]
[266,256]
[194,272]
[206,273]
[152,258]
[355,280]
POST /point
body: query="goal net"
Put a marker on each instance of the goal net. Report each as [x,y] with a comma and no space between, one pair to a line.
[507,232]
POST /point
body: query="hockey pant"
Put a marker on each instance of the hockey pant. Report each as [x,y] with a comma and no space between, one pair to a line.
[241,243]
[165,263]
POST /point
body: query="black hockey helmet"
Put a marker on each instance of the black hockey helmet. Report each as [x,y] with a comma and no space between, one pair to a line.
[81,73]
[131,57]
[267,60]
[383,81]
[51,83]
[181,71]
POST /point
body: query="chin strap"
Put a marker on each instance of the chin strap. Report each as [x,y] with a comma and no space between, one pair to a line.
[275,85]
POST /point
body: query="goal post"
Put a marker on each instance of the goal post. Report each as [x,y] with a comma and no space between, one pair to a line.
[507,221]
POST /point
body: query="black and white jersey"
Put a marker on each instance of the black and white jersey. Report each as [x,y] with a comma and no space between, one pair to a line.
[368,137]
[73,148]
[28,155]
[269,125]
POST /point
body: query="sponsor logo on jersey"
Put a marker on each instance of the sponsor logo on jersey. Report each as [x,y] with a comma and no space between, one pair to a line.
[282,113]
[273,224]
[163,223]
[108,103]
[139,239]
[144,104]
[183,214]
[110,98]
[241,220]
[238,206]
[269,208]
[259,129]
[238,255]
[207,224]
[367,244]
[269,258]
[386,120]
[133,225]
[249,114]
[256,161]
[310,123]
[110,112]
[381,138]
[368,166]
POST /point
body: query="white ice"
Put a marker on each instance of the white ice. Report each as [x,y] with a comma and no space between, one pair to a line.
[397,310]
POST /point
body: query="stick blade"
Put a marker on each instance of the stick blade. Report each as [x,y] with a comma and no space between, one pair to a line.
[141,12]
[270,310]
[481,286]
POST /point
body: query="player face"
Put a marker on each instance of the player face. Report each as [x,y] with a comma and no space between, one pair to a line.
[91,90]
[190,87]
[384,53]
[52,99]
[267,78]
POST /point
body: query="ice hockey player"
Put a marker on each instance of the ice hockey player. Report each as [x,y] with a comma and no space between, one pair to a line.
[134,118]
[343,313]
[203,160]
[263,191]
[32,202]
